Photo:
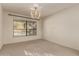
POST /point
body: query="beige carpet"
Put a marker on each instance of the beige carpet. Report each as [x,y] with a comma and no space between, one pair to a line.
[37,48]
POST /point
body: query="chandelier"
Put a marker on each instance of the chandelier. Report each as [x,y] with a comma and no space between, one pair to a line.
[35,13]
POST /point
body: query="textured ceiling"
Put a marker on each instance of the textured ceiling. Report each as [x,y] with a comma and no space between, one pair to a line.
[46,9]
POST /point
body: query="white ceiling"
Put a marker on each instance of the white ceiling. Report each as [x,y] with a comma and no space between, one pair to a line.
[46,8]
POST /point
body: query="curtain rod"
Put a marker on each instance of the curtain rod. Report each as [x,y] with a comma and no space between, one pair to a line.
[23,16]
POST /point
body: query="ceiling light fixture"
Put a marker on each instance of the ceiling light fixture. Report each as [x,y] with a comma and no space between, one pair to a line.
[35,13]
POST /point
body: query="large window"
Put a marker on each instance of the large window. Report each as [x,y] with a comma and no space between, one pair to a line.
[24,28]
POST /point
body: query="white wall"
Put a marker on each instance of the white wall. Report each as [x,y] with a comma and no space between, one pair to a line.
[63,28]
[8,30]
[1,27]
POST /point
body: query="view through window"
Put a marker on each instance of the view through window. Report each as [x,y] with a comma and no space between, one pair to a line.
[24,28]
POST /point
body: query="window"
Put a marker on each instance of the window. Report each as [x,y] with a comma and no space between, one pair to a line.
[31,28]
[24,28]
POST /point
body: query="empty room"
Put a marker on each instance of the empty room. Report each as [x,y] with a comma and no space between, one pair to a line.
[39,29]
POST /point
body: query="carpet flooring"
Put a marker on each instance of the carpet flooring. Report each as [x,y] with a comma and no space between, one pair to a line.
[37,48]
